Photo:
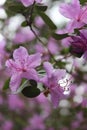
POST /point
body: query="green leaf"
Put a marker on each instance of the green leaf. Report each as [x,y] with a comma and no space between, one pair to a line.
[13,7]
[61,64]
[65,51]
[47,20]
[82,2]
[24,24]
[59,36]
[76,31]
[30,92]
[33,83]
[6,85]
[41,7]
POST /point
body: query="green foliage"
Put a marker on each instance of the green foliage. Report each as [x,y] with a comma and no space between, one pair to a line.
[33,83]
[76,31]
[59,36]
[6,85]
[40,7]
[65,51]
[12,7]
[24,24]
[30,91]
[82,2]
[61,64]
[47,20]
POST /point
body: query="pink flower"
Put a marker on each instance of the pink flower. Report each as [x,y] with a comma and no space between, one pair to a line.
[51,48]
[43,50]
[37,119]
[79,44]
[27,3]
[51,82]
[75,12]
[23,35]
[7,125]
[22,66]
[15,102]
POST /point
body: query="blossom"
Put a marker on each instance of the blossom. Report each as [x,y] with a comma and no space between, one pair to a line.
[22,66]
[27,3]
[7,125]
[52,48]
[79,44]
[15,102]
[75,12]
[23,35]
[37,119]
[51,79]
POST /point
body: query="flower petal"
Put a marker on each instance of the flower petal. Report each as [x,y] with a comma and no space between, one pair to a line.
[71,10]
[31,74]
[49,68]
[20,54]
[59,74]
[56,96]
[34,60]
[15,82]
[27,3]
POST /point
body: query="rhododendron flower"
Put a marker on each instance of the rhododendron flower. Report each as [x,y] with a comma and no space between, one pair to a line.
[23,35]
[79,44]
[43,50]
[75,12]
[51,82]
[27,3]
[22,66]
[51,48]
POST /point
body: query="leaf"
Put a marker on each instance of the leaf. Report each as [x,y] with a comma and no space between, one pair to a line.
[6,85]
[24,24]
[59,36]
[65,51]
[33,83]
[61,64]
[30,91]
[40,7]
[82,2]
[47,20]
[13,7]
[76,31]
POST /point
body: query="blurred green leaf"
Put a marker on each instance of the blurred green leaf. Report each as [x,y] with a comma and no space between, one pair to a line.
[61,64]
[76,31]
[47,20]
[65,51]
[24,24]
[6,85]
[13,7]
[30,91]
[59,36]
[82,2]
[33,83]
[40,7]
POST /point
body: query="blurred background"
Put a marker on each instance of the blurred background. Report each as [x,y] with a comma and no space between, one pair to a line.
[20,113]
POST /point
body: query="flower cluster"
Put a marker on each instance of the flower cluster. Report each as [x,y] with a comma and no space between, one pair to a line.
[34,60]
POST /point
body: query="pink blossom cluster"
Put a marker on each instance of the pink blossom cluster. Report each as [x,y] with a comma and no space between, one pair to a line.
[34,54]
[43,67]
